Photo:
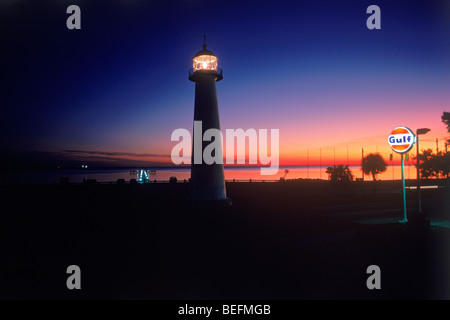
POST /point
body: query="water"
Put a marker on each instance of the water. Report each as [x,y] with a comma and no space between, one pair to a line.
[163,174]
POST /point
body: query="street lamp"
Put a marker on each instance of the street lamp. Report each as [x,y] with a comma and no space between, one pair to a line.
[418,132]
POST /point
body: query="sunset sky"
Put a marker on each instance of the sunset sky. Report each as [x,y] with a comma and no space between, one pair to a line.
[113,92]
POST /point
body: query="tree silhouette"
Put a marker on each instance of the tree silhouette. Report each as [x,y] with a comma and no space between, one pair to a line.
[285,173]
[373,164]
[434,165]
[446,159]
[340,173]
[446,120]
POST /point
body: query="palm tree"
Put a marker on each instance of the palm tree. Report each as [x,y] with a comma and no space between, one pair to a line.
[373,164]
[285,173]
[340,173]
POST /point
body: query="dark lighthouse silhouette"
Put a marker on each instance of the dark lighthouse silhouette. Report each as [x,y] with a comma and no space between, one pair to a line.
[207,183]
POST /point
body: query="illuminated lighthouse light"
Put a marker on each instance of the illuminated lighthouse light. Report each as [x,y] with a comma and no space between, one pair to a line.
[205,62]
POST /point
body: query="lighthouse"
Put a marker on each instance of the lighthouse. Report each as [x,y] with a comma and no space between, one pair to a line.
[207,184]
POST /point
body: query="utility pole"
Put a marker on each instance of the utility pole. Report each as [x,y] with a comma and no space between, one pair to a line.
[419,132]
[334,152]
[307,160]
[409,167]
[347,157]
[392,165]
[320,163]
[362,159]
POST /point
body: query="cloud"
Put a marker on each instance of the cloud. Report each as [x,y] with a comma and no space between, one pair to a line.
[116,154]
[109,158]
[74,158]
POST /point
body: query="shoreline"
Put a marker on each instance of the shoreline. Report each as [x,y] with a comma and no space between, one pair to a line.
[241,173]
[438,182]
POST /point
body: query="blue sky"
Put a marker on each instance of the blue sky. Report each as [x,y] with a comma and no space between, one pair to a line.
[120,83]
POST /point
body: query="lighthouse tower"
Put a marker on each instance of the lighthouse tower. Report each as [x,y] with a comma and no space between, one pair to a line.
[207,180]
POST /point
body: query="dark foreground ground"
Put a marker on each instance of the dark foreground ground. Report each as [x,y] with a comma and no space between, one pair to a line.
[291,240]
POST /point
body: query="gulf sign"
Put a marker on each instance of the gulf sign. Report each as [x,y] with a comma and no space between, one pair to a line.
[401,139]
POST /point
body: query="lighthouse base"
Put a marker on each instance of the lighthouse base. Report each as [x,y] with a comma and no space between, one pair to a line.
[210,203]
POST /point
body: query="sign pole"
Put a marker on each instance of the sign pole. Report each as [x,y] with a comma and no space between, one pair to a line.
[418,173]
[401,141]
[405,219]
